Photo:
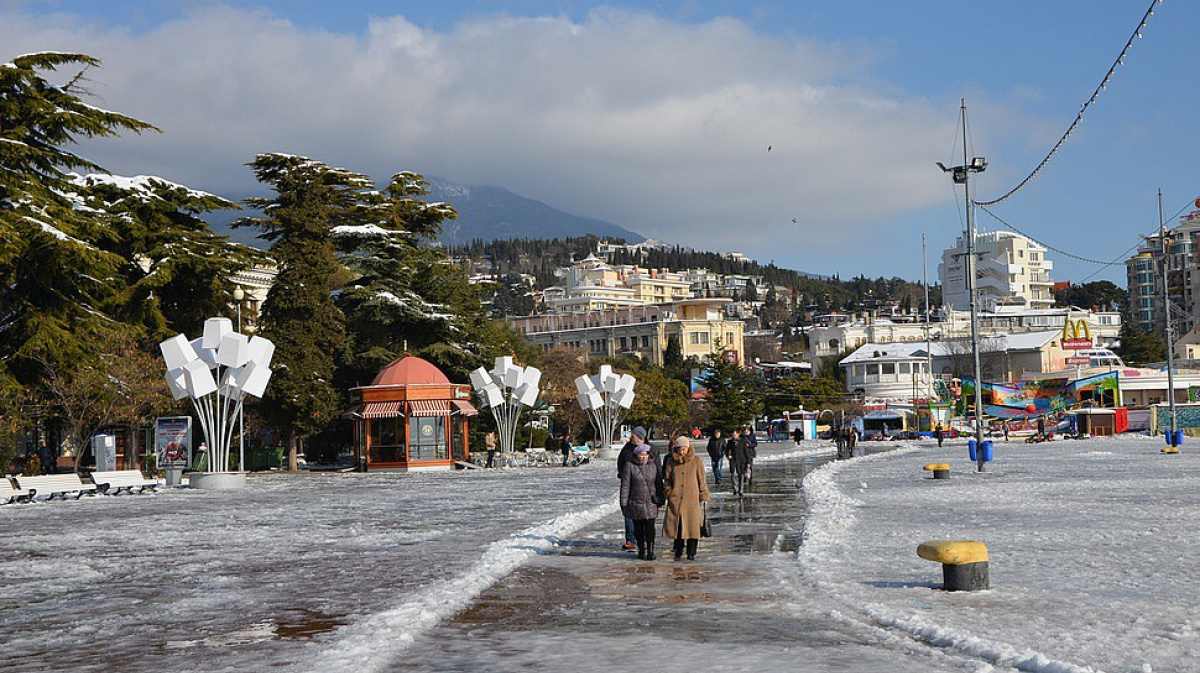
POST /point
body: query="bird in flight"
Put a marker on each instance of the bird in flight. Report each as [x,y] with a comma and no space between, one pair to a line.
[768,148]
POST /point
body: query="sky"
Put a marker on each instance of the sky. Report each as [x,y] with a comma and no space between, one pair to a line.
[803,133]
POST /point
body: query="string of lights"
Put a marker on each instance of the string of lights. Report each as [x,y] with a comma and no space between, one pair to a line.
[1103,264]
[1137,34]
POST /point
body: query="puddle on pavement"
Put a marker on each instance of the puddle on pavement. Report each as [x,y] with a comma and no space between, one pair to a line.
[303,624]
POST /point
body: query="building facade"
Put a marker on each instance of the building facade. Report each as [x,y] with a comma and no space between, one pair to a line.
[641,331]
[1012,270]
[1177,260]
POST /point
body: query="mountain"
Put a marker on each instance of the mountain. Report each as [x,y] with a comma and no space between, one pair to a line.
[491,213]
[485,213]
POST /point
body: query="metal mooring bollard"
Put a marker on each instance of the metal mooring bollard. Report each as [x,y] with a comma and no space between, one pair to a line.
[964,563]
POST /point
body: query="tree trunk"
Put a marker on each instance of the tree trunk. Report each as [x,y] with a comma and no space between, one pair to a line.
[293,446]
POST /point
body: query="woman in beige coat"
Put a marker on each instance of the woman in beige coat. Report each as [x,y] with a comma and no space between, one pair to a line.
[685,489]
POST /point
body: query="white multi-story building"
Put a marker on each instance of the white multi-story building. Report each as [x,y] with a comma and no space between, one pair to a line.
[1012,270]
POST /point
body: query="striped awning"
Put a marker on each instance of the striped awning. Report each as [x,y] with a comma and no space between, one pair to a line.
[353,412]
[464,407]
[381,409]
[428,408]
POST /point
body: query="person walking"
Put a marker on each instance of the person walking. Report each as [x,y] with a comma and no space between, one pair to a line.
[751,438]
[939,434]
[740,462]
[565,447]
[716,452]
[839,438]
[639,498]
[1006,430]
[489,442]
[851,439]
[685,490]
[636,438]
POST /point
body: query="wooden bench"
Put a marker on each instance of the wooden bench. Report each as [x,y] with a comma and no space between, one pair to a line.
[122,480]
[964,563]
[10,493]
[51,485]
[939,470]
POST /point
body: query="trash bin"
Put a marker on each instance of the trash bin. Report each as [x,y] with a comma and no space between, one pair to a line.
[987,450]
[971,450]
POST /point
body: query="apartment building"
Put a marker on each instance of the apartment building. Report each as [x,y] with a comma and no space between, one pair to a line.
[1144,274]
[1012,270]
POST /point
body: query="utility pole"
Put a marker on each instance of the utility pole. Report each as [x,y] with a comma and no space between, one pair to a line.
[962,176]
[1166,250]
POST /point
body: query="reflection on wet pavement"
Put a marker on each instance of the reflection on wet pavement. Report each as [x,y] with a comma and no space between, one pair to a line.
[593,607]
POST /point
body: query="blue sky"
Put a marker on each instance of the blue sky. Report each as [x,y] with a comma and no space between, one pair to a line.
[657,115]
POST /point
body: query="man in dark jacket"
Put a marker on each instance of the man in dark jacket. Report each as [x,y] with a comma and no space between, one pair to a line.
[636,439]
[716,452]
[740,462]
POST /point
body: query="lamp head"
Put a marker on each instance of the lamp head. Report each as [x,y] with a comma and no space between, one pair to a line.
[978,164]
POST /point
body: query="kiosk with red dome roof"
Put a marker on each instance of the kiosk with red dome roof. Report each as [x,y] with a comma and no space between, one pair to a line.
[411,417]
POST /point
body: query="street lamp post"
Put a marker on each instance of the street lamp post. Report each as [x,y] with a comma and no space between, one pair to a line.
[238,295]
[962,176]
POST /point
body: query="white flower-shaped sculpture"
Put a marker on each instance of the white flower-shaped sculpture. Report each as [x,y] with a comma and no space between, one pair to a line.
[507,390]
[217,371]
[604,396]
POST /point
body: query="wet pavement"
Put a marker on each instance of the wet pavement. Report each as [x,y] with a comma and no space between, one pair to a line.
[740,606]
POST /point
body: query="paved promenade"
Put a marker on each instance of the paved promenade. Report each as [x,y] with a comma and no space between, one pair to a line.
[588,606]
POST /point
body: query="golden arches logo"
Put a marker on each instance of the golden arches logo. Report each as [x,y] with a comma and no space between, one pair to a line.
[1076,334]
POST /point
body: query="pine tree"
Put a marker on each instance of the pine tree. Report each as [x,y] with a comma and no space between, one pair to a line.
[299,315]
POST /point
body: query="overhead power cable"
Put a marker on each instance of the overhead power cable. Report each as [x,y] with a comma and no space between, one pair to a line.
[1137,34]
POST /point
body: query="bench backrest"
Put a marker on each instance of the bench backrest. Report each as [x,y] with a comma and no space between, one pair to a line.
[116,478]
[53,483]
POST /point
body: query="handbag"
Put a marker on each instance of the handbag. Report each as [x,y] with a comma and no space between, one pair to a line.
[705,526]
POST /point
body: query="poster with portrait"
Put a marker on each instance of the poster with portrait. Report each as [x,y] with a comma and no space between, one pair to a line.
[173,441]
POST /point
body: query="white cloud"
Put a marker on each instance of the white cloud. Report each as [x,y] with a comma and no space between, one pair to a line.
[659,126]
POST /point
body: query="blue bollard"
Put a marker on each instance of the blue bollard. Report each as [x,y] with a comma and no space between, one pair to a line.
[971,450]
[988,453]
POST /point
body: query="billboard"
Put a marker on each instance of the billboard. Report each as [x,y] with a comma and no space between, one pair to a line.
[173,441]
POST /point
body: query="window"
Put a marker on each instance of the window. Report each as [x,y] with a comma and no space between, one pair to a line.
[427,438]
[888,368]
[905,368]
[645,342]
[624,343]
[387,440]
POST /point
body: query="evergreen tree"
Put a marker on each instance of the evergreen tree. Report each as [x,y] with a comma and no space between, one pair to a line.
[406,294]
[734,394]
[1139,347]
[52,310]
[175,271]
[299,315]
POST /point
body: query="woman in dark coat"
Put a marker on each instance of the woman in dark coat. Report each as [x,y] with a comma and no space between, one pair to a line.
[685,489]
[639,484]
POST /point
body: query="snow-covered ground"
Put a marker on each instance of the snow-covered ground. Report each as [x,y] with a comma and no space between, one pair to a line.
[292,569]
[1093,555]
[1093,552]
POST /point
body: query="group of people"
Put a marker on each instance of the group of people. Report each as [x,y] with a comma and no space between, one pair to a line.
[561,444]
[739,449]
[846,439]
[676,482]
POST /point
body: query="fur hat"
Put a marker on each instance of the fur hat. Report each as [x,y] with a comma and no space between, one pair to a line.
[682,441]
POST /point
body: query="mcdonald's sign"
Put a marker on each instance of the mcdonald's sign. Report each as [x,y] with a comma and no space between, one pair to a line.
[1076,335]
